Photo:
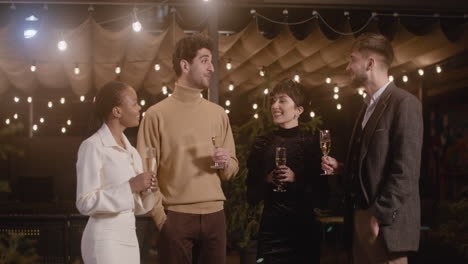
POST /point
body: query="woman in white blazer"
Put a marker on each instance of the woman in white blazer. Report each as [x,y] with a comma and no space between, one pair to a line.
[111,184]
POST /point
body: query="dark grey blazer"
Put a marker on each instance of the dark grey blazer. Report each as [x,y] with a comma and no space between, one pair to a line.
[388,168]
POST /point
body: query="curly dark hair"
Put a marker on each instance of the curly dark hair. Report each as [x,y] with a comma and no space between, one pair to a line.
[186,49]
[294,90]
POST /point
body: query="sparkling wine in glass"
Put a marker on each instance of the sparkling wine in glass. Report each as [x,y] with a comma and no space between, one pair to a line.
[325,145]
[216,140]
[150,161]
[280,160]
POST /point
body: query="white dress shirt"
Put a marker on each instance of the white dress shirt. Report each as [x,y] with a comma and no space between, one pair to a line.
[371,102]
[103,192]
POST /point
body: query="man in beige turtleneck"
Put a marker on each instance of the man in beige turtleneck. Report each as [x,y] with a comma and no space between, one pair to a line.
[191,217]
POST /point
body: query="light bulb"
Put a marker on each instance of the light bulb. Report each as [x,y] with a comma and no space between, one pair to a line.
[256,116]
[82,98]
[164,89]
[228,103]
[254,106]
[142,102]
[361,91]
[15,116]
[231,87]
[136,26]
[117,70]
[41,120]
[390,78]
[62,45]
[421,72]
[33,68]
[62,100]
[69,122]
[227,111]
[157,67]
[29,99]
[438,69]
[64,130]
[297,78]
[50,104]
[16,99]
[328,80]
[34,127]
[336,96]
[228,65]
[77,70]
[7,121]
[265,91]
[338,106]
[405,78]
[312,114]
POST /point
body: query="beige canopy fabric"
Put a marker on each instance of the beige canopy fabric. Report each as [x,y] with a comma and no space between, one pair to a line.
[97,51]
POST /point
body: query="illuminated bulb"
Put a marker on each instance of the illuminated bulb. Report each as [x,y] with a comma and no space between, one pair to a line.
[41,120]
[69,122]
[170,94]
[76,70]
[228,103]
[33,68]
[328,80]
[94,99]
[64,130]
[254,106]
[297,78]
[62,45]
[231,87]
[142,102]
[338,106]
[15,116]
[117,70]
[34,127]
[229,65]
[361,91]
[312,114]
[336,96]
[82,98]
[336,89]
[405,78]
[16,99]
[438,69]
[256,116]
[164,89]
[29,99]
[136,26]
[262,72]
[7,121]
[157,67]
[227,111]
[421,72]
[390,78]
[143,114]
[50,104]
[62,100]
[364,95]
[265,91]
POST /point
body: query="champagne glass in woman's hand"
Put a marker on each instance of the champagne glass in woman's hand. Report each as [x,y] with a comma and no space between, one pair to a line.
[280,160]
[325,145]
[150,160]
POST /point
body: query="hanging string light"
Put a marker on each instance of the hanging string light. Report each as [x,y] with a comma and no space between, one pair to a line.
[262,72]
[76,70]
[405,78]
[16,99]
[360,91]
[29,99]
[328,80]
[256,116]
[50,104]
[336,96]
[231,86]
[390,78]
[164,89]
[62,45]
[33,67]
[143,114]
[297,78]
[136,25]
[265,92]
[117,70]
[69,122]
[338,106]
[312,114]
[421,72]
[438,69]
[62,100]
[229,65]
[227,103]
[7,121]
[41,120]
[157,67]
[142,102]
[15,116]
[254,106]
[227,111]
[336,89]
[34,127]
[82,98]
[64,130]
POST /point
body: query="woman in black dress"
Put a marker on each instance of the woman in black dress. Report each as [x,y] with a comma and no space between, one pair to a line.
[288,231]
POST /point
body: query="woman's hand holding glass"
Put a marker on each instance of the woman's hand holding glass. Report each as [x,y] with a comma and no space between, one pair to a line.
[143,181]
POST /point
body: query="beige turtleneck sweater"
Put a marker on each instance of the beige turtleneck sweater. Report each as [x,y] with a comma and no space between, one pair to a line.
[180,127]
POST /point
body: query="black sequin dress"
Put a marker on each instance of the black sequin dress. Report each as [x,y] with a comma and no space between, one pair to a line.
[288,231]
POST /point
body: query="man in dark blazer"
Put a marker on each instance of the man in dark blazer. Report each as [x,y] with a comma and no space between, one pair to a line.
[383,162]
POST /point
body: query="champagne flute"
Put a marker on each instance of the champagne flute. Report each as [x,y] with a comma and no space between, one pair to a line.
[325,145]
[216,140]
[150,160]
[280,160]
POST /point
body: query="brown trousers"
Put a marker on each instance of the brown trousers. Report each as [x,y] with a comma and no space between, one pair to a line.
[368,249]
[193,238]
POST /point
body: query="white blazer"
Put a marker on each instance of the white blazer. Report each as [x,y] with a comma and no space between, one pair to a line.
[103,190]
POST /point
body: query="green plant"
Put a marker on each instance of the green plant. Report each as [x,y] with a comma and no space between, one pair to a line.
[242,218]
[6,147]
[454,229]
[17,249]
